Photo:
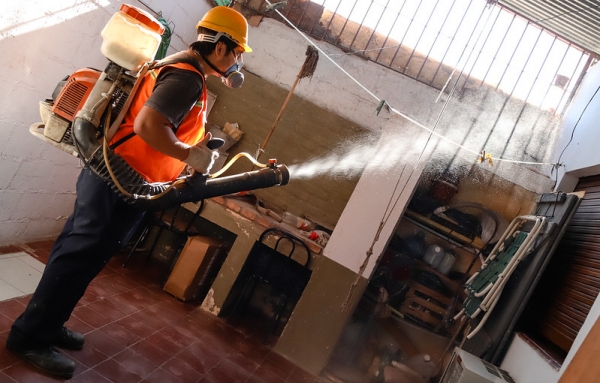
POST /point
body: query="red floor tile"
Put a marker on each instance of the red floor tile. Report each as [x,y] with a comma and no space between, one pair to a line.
[237,367]
[90,317]
[121,304]
[120,334]
[5,378]
[12,309]
[24,373]
[148,351]
[88,356]
[10,249]
[200,357]
[5,323]
[162,376]
[182,370]
[218,376]
[103,343]
[7,359]
[115,372]
[90,376]
[254,379]
[78,325]
[136,332]
[107,309]
[136,327]
[134,362]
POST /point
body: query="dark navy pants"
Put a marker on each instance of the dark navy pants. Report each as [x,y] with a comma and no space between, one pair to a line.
[101,224]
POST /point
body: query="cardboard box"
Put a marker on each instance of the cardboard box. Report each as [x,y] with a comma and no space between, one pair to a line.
[195,269]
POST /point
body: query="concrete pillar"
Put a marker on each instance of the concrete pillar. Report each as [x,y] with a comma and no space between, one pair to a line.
[374,209]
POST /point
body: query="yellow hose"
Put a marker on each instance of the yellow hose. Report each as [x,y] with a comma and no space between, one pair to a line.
[174,183]
[232,161]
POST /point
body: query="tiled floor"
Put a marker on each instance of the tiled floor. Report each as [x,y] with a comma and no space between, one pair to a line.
[19,274]
[136,332]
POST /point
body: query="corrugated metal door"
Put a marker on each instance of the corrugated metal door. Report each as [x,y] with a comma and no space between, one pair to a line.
[576,270]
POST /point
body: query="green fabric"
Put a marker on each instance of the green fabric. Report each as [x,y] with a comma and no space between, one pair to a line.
[161,53]
[489,275]
[223,2]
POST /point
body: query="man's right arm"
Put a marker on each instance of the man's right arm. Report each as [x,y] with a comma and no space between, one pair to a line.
[156,130]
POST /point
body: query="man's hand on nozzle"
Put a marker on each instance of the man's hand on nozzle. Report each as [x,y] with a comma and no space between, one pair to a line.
[200,157]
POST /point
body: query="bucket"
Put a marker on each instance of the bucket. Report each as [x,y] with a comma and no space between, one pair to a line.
[131,38]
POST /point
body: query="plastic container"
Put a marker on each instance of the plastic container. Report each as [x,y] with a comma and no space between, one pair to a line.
[434,255]
[295,221]
[131,38]
[446,264]
[320,237]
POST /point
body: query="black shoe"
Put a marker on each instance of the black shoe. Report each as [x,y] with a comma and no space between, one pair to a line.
[48,360]
[69,340]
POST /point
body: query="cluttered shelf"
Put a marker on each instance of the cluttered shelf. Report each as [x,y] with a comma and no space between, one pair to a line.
[240,208]
[472,244]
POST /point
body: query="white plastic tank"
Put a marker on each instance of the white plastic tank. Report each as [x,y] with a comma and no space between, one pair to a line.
[447,262]
[434,255]
[131,37]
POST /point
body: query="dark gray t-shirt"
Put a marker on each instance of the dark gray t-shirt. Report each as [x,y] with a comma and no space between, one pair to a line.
[175,93]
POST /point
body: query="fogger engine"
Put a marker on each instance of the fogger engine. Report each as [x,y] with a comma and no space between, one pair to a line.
[90,104]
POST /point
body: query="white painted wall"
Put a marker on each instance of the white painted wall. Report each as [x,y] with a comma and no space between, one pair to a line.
[41,42]
[526,365]
[379,198]
[581,158]
[581,134]
[44,41]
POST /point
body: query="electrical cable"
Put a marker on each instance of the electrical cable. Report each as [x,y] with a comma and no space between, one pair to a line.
[577,123]
[388,210]
[178,181]
[391,109]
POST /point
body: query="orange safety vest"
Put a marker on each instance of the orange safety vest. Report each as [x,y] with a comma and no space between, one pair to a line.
[151,164]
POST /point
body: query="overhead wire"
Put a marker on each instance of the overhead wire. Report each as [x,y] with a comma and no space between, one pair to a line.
[396,111]
[391,206]
[392,201]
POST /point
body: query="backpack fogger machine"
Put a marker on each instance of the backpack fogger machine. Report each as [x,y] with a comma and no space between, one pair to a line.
[87,107]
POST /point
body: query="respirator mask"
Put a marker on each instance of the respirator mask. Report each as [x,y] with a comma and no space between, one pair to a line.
[232,78]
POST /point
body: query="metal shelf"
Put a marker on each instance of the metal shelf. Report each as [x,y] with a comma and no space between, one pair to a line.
[472,245]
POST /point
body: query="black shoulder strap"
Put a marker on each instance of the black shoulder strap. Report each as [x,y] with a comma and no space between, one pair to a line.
[179,57]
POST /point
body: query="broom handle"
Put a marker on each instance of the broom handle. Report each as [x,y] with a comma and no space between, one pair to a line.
[262,147]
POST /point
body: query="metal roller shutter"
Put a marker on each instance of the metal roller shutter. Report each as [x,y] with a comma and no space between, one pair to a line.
[577,270]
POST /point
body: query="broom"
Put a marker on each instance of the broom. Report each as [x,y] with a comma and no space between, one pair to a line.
[307,70]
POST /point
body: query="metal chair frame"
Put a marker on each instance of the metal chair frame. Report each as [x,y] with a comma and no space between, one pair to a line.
[284,275]
[172,220]
[485,286]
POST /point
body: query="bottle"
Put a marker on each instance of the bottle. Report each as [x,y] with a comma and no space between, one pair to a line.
[447,262]
[295,221]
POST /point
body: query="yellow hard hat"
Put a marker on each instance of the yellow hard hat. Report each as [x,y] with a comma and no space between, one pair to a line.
[226,21]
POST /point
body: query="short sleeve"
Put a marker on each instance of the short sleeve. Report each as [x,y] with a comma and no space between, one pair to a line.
[175,93]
